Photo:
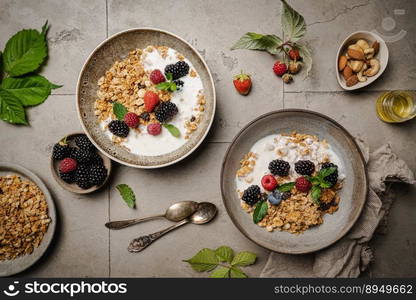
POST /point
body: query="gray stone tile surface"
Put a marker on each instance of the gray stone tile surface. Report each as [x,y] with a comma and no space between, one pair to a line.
[83,247]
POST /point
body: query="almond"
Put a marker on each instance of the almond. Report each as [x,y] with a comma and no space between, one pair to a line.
[376,47]
[347,72]
[342,62]
[356,54]
[353,80]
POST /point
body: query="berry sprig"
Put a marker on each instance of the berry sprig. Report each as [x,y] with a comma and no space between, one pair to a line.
[168,85]
[318,183]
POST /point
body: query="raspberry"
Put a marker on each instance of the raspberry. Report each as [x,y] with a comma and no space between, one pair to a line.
[157,77]
[279,167]
[268,182]
[302,184]
[119,128]
[154,129]
[304,167]
[83,142]
[294,54]
[131,119]
[151,100]
[67,165]
[251,195]
[279,68]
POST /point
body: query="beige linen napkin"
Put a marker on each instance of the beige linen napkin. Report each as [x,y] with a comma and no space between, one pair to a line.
[351,255]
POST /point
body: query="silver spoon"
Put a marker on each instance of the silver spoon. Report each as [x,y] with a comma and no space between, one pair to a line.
[176,212]
[206,212]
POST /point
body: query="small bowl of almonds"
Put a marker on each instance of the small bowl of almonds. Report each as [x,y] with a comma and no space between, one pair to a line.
[361,59]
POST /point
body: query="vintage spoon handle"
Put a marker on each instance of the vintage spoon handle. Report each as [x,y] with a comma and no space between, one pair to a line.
[127,223]
[142,242]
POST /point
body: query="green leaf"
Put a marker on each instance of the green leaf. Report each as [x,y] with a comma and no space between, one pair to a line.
[293,23]
[256,41]
[316,194]
[286,187]
[244,258]
[237,273]
[173,130]
[45,29]
[260,211]
[167,86]
[11,110]
[225,253]
[204,260]
[119,110]
[30,90]
[221,272]
[127,194]
[326,172]
[169,76]
[24,52]
[325,185]
[314,180]
[1,65]
[306,54]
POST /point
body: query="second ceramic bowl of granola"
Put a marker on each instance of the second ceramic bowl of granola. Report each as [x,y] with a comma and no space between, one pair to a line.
[352,195]
[118,71]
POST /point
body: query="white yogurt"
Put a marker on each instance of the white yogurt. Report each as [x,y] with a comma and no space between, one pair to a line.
[186,100]
[266,151]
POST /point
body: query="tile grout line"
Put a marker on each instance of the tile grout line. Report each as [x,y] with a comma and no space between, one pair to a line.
[106,18]
[108,189]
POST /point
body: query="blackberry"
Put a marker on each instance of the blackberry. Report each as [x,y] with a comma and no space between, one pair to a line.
[333,178]
[286,195]
[145,116]
[82,156]
[83,142]
[60,151]
[82,177]
[97,174]
[179,84]
[304,167]
[279,167]
[68,177]
[252,195]
[96,159]
[177,70]
[119,128]
[165,111]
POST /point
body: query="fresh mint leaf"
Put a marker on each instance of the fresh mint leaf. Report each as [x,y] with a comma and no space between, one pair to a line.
[167,86]
[256,41]
[119,110]
[173,130]
[326,172]
[225,253]
[24,52]
[260,211]
[11,110]
[237,273]
[221,272]
[316,194]
[127,194]
[286,187]
[244,258]
[293,23]
[30,90]
[1,65]
[204,260]
[169,76]
[325,184]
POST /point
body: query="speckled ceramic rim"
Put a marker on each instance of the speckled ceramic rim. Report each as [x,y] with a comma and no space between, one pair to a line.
[235,221]
[24,262]
[213,100]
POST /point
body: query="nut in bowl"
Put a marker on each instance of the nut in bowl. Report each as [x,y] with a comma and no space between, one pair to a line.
[361,59]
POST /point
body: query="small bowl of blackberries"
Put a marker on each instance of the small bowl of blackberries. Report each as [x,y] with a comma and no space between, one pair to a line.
[78,166]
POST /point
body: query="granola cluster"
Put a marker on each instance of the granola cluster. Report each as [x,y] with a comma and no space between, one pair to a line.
[24,217]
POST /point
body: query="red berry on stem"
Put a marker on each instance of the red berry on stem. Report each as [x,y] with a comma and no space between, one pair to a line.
[268,182]
[279,68]
[294,54]
[132,120]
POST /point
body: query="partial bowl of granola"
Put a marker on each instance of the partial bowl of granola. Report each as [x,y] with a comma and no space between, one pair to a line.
[146,98]
[294,181]
[27,218]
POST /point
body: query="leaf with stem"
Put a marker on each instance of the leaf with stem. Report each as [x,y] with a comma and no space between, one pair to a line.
[256,41]
[11,110]
[204,260]
[293,23]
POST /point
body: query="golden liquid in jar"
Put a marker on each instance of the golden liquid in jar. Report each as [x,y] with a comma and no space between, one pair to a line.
[396,106]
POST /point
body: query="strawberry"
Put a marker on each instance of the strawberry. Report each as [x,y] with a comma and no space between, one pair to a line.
[131,119]
[157,77]
[279,68]
[67,165]
[294,54]
[151,100]
[242,83]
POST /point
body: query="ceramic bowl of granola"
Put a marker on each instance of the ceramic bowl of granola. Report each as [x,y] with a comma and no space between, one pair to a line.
[146,98]
[27,219]
[294,181]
